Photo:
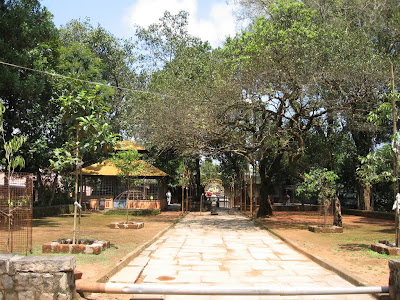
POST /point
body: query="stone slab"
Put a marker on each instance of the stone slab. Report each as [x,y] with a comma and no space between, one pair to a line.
[229,250]
[325,229]
[39,264]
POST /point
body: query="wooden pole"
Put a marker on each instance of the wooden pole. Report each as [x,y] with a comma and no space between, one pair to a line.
[241,194]
[245,193]
[395,163]
[76,185]
[190,194]
[187,194]
[201,203]
[183,190]
[251,194]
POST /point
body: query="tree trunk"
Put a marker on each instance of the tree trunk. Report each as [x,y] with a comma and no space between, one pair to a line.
[53,189]
[337,213]
[361,196]
[197,191]
[363,141]
[265,208]
[40,188]
[367,197]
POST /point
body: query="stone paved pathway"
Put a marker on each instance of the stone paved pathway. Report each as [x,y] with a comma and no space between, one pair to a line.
[226,250]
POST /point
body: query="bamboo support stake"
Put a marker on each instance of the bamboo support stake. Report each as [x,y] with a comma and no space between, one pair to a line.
[395,162]
[76,186]
[251,194]
[183,189]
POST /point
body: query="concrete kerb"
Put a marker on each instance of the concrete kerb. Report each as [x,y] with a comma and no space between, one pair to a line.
[339,271]
[127,259]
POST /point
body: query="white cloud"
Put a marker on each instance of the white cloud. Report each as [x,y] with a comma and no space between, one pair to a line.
[219,23]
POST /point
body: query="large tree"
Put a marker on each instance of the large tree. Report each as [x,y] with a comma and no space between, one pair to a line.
[116,67]
[355,72]
[274,65]
[177,113]
[28,39]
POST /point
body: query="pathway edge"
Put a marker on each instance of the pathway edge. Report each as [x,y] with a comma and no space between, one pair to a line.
[134,253]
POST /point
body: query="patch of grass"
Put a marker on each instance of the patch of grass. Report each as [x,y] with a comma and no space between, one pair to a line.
[373,254]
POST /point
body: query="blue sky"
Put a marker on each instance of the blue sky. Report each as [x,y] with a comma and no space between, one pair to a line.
[210,20]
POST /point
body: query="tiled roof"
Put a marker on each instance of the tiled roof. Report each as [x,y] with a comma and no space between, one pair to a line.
[107,168]
[130,145]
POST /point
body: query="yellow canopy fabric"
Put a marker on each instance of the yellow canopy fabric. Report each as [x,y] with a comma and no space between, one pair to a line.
[107,168]
[129,145]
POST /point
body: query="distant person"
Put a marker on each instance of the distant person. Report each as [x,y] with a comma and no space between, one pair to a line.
[287,199]
[396,203]
[169,196]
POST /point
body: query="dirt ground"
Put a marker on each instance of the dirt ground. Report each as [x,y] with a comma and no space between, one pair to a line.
[350,250]
[94,226]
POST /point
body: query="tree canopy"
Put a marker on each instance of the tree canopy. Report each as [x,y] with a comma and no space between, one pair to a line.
[290,93]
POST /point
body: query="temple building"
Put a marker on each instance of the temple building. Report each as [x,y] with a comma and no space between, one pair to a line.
[104,189]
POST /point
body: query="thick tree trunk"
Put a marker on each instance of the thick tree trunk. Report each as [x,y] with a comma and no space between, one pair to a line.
[367,197]
[363,141]
[337,213]
[265,208]
[53,189]
[364,196]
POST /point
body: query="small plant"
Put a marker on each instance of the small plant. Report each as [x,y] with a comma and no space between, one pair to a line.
[322,184]
[128,164]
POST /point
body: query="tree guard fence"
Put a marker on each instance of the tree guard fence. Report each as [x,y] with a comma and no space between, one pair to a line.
[325,214]
[16,213]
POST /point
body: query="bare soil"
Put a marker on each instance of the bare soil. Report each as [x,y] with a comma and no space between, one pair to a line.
[95,226]
[349,250]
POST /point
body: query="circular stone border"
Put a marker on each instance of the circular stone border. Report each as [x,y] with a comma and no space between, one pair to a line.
[325,229]
[126,225]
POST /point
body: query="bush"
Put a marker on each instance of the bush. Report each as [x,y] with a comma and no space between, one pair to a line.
[137,213]
[51,211]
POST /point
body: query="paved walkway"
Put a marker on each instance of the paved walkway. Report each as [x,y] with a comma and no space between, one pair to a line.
[226,250]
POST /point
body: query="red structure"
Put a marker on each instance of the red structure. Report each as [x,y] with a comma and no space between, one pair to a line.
[16,213]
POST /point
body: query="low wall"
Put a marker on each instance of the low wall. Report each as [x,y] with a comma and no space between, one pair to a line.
[394,279]
[295,207]
[50,211]
[36,277]
[369,214]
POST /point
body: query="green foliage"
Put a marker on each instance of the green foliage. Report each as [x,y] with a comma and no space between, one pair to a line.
[63,160]
[89,136]
[128,163]
[107,59]
[11,161]
[169,161]
[376,166]
[384,112]
[210,172]
[319,183]
[28,38]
